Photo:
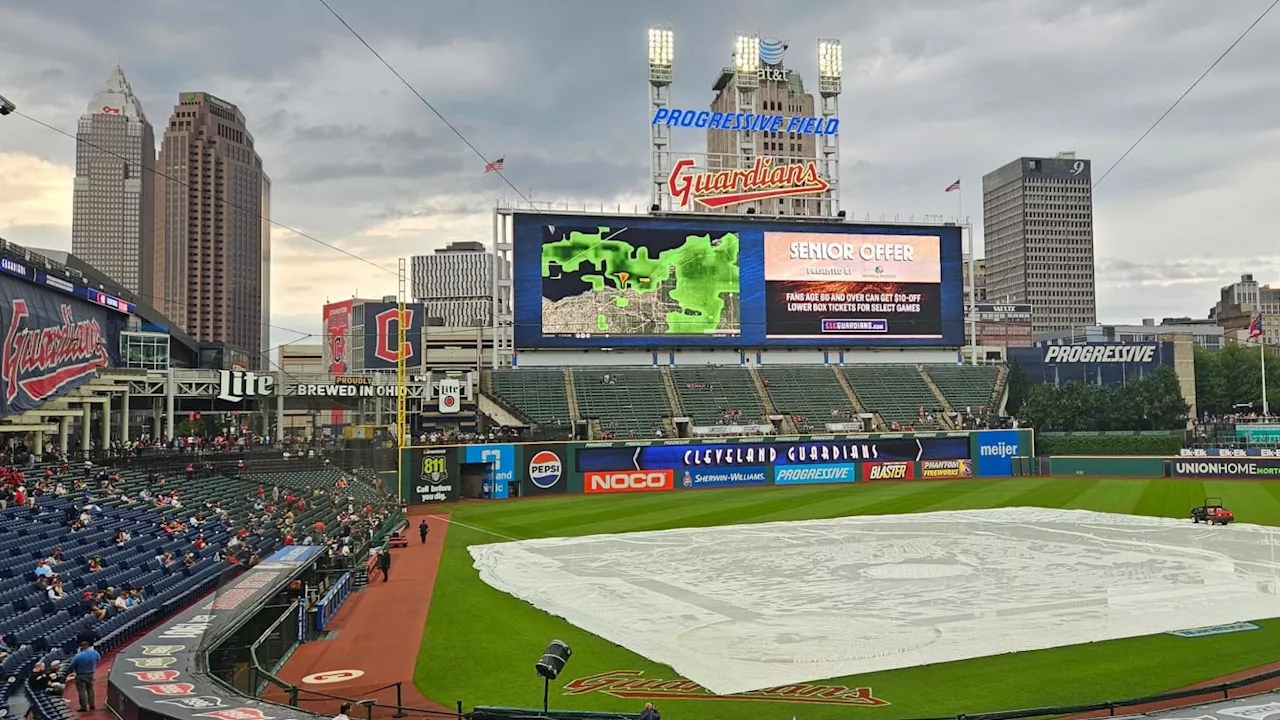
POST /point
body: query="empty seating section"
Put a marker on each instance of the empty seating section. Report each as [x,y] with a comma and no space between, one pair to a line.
[713,395]
[37,628]
[897,392]
[811,396]
[965,386]
[539,395]
[628,401]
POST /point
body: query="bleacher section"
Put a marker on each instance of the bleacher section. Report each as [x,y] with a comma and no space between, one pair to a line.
[965,386]
[626,400]
[811,396]
[37,628]
[708,393]
[897,392]
[635,403]
[539,395]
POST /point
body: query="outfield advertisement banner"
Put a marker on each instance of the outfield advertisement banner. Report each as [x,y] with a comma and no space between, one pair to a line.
[728,477]
[681,457]
[889,471]
[499,463]
[431,475]
[1231,452]
[946,469]
[814,474]
[1239,468]
[619,481]
[544,470]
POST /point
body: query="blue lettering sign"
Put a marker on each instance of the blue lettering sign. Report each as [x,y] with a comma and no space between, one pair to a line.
[749,122]
[500,466]
[725,477]
[996,450]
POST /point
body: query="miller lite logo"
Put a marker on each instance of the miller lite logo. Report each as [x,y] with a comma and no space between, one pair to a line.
[762,181]
[388,335]
[39,362]
[545,469]
[236,385]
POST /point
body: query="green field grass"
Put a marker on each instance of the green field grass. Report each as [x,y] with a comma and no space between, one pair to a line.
[480,644]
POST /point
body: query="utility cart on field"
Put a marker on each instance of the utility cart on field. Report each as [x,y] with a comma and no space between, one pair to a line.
[1212,512]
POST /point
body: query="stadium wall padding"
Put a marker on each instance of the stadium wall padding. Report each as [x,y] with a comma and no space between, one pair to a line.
[1135,467]
[447,473]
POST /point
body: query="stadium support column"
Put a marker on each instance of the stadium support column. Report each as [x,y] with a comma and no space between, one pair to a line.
[124,416]
[86,436]
[746,62]
[64,434]
[169,410]
[280,413]
[105,430]
[830,72]
[661,57]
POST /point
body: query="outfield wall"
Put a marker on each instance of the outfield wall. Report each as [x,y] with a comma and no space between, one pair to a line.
[506,470]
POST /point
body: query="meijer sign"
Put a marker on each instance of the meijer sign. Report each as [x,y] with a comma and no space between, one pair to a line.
[630,481]
[1100,354]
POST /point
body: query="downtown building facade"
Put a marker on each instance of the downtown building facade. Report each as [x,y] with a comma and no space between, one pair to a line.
[1038,234]
[113,218]
[213,242]
[458,285]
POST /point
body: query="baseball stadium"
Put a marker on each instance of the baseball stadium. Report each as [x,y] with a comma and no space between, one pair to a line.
[741,455]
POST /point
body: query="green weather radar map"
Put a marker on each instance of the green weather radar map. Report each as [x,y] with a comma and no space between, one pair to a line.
[601,281]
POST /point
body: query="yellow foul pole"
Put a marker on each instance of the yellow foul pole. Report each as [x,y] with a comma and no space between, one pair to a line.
[402,395]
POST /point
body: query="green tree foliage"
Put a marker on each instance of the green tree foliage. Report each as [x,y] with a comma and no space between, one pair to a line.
[1018,388]
[190,427]
[1233,376]
[1153,403]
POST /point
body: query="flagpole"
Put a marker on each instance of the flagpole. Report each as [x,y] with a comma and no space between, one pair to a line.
[1262,352]
[973,287]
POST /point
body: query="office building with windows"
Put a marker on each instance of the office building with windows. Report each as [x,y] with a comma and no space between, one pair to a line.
[213,241]
[1038,234]
[112,220]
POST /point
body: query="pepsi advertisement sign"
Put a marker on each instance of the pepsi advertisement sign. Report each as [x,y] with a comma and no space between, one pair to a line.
[681,457]
[544,470]
[725,477]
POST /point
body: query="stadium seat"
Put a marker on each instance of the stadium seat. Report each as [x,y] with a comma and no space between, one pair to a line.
[810,396]
[540,396]
[895,392]
[966,386]
[713,395]
[628,401]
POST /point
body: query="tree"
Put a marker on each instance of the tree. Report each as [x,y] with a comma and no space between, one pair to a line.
[189,428]
[1018,388]
[1154,402]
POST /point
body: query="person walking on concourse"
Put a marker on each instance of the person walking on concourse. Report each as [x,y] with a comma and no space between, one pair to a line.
[83,665]
[423,530]
[384,563]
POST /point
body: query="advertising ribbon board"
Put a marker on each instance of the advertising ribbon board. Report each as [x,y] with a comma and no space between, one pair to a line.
[544,470]
[946,469]
[160,676]
[831,450]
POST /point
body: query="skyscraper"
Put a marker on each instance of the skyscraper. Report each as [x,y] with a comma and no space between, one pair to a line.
[457,285]
[112,221]
[1038,234]
[212,246]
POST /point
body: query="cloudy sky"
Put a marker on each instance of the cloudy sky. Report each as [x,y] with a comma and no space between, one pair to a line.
[933,91]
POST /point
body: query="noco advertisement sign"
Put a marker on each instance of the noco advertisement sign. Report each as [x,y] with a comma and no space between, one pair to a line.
[662,282]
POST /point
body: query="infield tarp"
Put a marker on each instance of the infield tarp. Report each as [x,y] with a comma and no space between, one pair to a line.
[744,607]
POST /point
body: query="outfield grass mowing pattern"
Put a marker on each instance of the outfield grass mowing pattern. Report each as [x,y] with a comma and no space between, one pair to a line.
[480,644]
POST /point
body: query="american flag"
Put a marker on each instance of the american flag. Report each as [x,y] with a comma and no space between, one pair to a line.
[1255,328]
[953,186]
[495,166]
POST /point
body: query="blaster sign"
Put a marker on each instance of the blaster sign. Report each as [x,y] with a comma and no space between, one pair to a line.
[630,481]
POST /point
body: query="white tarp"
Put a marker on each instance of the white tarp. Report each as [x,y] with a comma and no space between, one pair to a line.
[746,607]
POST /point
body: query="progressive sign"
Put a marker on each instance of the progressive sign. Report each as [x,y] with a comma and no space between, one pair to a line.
[1100,354]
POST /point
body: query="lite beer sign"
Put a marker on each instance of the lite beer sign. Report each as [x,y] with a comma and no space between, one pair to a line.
[762,181]
[236,385]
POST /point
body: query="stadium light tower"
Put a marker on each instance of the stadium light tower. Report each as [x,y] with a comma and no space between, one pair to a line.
[6,106]
[662,55]
[830,74]
[746,63]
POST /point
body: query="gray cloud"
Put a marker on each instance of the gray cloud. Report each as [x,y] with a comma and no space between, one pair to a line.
[933,91]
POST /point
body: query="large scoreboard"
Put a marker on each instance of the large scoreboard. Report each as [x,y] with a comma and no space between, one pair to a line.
[636,281]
